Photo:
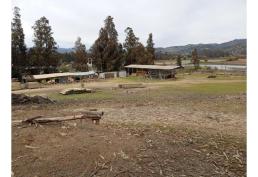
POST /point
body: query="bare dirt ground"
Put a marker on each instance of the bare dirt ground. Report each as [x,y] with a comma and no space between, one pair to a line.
[193,126]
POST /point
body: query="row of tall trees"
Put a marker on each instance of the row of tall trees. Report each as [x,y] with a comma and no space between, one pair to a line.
[42,57]
[106,53]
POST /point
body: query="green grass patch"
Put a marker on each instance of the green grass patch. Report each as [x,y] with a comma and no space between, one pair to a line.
[219,88]
[219,76]
[207,88]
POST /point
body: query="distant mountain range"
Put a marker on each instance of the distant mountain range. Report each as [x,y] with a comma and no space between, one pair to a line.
[65,50]
[234,47]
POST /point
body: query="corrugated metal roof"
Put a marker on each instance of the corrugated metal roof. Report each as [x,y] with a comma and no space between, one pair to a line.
[83,73]
[55,75]
[168,67]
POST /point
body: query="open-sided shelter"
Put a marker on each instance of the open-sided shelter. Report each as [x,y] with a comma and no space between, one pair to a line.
[152,71]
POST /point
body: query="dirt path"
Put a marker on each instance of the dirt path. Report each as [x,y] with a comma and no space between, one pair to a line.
[105,150]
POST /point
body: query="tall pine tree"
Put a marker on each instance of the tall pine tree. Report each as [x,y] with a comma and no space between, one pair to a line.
[136,53]
[18,45]
[44,54]
[195,58]
[80,55]
[98,50]
[106,51]
[179,60]
[131,42]
[150,49]
[111,30]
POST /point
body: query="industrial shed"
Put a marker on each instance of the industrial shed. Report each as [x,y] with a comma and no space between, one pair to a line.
[152,71]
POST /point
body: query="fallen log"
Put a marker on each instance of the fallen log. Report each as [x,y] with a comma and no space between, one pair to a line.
[128,86]
[212,76]
[76,91]
[95,116]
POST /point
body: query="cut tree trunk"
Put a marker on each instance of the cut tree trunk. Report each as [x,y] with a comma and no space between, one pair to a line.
[95,116]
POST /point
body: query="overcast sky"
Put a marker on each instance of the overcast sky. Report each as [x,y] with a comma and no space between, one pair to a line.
[172,22]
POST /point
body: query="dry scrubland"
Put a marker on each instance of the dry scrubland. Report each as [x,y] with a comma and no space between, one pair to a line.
[192,126]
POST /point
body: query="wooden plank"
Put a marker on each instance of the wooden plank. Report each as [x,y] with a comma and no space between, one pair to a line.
[127,86]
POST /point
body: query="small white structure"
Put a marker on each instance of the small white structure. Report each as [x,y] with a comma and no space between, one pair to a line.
[89,63]
[113,74]
[107,75]
[121,73]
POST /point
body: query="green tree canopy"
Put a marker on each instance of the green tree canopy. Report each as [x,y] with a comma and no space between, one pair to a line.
[131,41]
[136,53]
[98,50]
[44,52]
[106,51]
[111,29]
[130,44]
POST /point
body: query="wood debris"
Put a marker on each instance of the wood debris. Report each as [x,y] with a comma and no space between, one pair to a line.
[129,86]
[25,99]
[31,147]
[76,91]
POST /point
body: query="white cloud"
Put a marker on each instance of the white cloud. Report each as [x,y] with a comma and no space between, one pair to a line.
[172,22]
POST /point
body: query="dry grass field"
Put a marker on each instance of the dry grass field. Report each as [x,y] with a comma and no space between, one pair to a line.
[191,126]
[218,61]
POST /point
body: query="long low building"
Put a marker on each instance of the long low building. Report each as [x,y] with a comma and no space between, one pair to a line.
[152,71]
[63,77]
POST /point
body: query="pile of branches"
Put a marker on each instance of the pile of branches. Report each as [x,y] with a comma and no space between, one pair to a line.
[24,99]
